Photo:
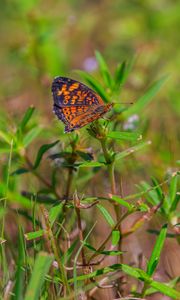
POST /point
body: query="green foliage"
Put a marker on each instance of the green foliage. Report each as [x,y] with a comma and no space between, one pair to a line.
[88,177]
[144,100]
[40,269]
[41,152]
[155,256]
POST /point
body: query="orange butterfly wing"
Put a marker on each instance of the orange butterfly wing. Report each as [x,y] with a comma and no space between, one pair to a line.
[75,104]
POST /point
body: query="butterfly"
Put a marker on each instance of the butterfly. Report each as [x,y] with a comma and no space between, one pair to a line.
[75,104]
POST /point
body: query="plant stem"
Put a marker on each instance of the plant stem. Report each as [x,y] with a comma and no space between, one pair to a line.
[54,248]
[144,290]
[112,178]
[105,151]
[69,183]
[80,229]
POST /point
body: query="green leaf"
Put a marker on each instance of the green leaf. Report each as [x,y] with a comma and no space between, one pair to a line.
[85,155]
[175,203]
[20,272]
[31,135]
[120,74]
[152,195]
[104,69]
[131,150]
[127,136]
[40,270]
[67,255]
[104,252]
[91,164]
[97,273]
[122,202]
[41,152]
[165,289]
[94,84]
[34,235]
[173,189]
[6,137]
[106,214]
[136,273]
[19,172]
[157,188]
[115,237]
[26,118]
[55,212]
[146,98]
[14,197]
[155,256]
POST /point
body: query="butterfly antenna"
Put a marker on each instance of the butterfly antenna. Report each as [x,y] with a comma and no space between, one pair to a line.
[128,103]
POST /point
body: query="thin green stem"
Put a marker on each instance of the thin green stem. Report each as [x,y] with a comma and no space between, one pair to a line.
[69,183]
[80,233]
[55,249]
[145,287]
[112,178]
[105,150]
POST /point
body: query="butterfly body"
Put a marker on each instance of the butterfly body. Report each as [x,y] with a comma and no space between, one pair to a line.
[75,104]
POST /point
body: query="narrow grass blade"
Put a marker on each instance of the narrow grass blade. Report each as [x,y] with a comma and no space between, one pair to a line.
[14,197]
[31,135]
[146,98]
[40,270]
[106,215]
[104,69]
[20,272]
[134,272]
[104,252]
[34,235]
[127,136]
[131,150]
[55,212]
[6,137]
[155,256]
[19,172]
[151,196]
[173,189]
[120,74]
[115,237]
[26,118]
[91,164]
[122,202]
[67,255]
[157,188]
[41,152]
[165,289]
